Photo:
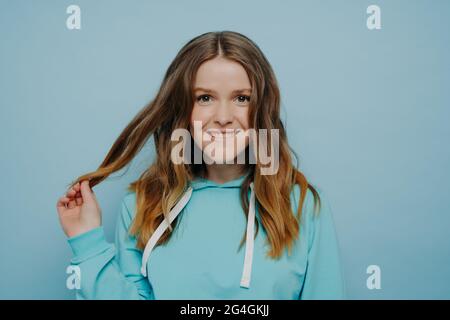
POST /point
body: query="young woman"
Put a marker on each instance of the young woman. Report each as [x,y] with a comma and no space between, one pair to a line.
[182,226]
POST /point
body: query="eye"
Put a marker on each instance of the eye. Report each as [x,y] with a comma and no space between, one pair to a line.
[204,98]
[243,99]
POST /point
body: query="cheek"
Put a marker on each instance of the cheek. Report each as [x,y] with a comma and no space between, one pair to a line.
[200,114]
[242,117]
[196,115]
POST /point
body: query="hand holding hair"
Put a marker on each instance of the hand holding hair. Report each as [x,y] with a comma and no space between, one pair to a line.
[79,210]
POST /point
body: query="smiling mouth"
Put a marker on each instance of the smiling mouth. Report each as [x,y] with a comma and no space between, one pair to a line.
[223,134]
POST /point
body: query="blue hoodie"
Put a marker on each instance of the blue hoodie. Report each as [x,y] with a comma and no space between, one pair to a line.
[201,259]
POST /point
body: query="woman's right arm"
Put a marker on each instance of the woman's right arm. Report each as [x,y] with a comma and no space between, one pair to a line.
[107,270]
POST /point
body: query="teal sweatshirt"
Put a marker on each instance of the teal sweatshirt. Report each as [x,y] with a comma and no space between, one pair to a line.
[201,259]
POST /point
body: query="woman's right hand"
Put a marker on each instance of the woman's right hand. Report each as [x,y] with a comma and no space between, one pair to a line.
[78,210]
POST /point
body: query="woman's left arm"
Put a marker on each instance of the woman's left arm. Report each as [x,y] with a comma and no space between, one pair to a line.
[324,278]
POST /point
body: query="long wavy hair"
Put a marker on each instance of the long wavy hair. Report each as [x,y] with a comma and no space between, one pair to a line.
[162,184]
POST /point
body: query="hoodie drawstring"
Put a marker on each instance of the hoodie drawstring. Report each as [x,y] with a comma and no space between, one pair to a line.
[249,242]
[162,227]
[249,245]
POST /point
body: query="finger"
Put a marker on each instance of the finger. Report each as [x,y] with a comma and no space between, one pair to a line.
[72,204]
[62,202]
[76,187]
[71,193]
[79,201]
[86,191]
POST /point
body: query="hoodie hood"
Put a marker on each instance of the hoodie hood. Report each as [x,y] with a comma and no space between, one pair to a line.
[195,185]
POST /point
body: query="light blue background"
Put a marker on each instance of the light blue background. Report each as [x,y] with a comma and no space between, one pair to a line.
[367,111]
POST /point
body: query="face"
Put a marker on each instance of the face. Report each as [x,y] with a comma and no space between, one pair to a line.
[222,99]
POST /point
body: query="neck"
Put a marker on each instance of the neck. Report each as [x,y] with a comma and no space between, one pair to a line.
[222,173]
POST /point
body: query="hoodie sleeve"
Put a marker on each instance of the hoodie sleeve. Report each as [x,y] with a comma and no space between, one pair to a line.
[324,275]
[107,270]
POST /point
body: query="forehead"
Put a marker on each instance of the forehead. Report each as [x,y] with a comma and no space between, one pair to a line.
[220,74]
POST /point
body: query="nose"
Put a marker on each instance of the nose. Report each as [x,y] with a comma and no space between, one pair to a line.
[223,115]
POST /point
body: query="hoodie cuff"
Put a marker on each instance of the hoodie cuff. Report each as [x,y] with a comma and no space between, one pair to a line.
[89,243]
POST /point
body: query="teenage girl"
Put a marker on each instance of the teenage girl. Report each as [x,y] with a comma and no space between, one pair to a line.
[207,229]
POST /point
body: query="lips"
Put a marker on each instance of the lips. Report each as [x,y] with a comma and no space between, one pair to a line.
[223,133]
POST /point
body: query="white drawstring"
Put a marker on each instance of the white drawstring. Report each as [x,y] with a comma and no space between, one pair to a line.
[162,227]
[249,245]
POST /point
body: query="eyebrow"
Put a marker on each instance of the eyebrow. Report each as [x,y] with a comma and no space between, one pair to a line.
[212,91]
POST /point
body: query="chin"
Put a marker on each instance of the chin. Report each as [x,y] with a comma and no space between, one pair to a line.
[224,155]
